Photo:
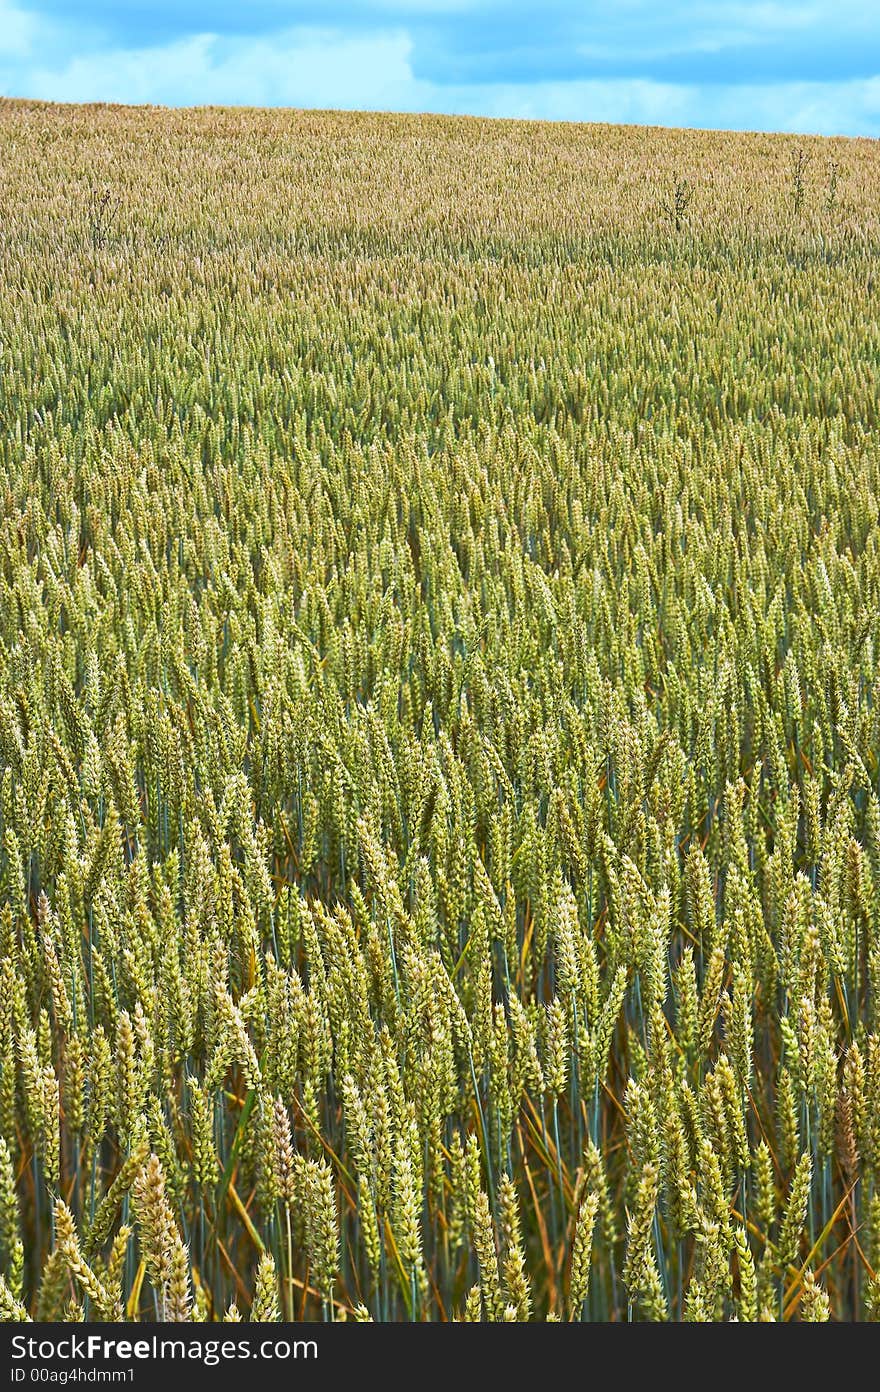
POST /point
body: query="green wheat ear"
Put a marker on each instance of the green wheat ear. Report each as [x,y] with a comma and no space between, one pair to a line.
[265,1306]
[581,1253]
[10,1308]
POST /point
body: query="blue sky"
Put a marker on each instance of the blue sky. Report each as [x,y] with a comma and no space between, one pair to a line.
[740,64]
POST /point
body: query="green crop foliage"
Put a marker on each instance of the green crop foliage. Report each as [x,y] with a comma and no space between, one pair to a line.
[439,720]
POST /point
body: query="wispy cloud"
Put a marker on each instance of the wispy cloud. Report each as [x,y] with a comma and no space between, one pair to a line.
[296,68]
[771,66]
[18,31]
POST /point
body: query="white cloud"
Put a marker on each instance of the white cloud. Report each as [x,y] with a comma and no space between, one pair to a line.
[302,68]
[18,31]
[760,19]
[325,68]
[821,108]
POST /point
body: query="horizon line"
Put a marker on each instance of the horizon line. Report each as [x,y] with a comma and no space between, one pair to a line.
[194,107]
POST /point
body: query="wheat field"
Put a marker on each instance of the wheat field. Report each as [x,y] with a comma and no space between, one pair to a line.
[439,720]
